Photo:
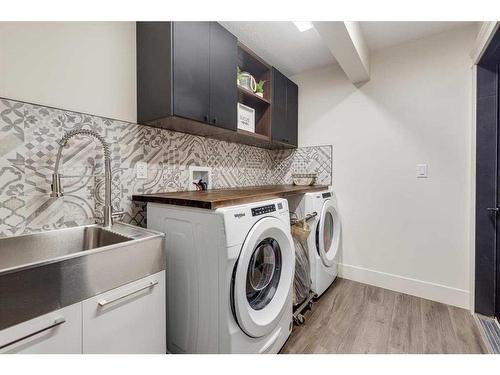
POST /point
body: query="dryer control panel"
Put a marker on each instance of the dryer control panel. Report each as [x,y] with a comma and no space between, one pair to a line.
[263,210]
[327,195]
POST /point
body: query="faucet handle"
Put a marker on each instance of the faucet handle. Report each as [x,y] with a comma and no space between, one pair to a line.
[118,214]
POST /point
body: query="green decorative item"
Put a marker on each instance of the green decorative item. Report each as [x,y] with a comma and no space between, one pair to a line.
[260,88]
[238,74]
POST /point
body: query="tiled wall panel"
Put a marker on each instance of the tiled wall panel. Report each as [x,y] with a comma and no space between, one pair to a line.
[28,147]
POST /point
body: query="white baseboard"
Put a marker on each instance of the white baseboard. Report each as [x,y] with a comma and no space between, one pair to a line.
[419,288]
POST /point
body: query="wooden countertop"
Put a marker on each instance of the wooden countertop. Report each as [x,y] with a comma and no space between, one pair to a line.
[212,199]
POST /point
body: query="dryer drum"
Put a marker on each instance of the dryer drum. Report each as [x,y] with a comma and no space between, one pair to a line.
[328,233]
[263,273]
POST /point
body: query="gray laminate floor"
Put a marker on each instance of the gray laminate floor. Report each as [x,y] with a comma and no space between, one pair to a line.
[356,318]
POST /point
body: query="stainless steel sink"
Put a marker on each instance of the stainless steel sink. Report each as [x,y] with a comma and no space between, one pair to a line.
[32,248]
[45,271]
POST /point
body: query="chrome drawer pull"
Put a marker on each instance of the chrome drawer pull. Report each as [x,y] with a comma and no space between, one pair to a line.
[56,323]
[105,302]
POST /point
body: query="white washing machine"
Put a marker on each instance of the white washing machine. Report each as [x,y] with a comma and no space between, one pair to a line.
[324,241]
[229,276]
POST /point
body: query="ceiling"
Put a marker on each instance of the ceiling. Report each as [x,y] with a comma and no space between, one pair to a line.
[281,44]
[380,35]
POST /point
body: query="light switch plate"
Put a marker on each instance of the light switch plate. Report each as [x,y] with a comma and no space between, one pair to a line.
[422,171]
[141,170]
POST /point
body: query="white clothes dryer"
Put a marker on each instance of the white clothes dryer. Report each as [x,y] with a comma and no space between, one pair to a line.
[324,241]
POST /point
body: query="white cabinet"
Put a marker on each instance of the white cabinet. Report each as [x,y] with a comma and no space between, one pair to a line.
[128,319]
[58,332]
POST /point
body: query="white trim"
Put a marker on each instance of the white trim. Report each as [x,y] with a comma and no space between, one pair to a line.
[472,204]
[419,288]
[484,36]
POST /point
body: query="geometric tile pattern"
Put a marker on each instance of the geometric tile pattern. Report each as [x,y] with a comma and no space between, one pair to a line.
[28,148]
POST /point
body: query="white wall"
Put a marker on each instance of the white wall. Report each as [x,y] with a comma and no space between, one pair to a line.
[82,66]
[400,232]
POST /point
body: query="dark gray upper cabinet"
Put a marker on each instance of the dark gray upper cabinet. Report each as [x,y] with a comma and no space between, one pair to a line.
[284,122]
[278,119]
[223,90]
[187,70]
[191,70]
[186,81]
[292,112]
[154,59]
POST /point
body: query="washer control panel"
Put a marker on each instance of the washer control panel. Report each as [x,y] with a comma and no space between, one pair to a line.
[263,210]
[327,195]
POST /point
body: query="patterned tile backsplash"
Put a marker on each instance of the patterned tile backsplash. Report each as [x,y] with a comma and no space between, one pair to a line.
[28,147]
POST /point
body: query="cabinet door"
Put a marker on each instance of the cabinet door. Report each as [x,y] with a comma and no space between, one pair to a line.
[284,124]
[223,62]
[191,70]
[292,106]
[58,332]
[154,59]
[278,121]
[128,319]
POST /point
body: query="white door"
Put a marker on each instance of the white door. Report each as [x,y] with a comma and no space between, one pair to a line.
[328,233]
[58,332]
[263,277]
[128,319]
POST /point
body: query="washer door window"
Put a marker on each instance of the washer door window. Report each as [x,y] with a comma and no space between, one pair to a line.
[328,233]
[263,273]
[263,277]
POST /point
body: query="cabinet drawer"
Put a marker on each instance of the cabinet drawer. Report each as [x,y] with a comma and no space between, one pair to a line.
[128,319]
[58,332]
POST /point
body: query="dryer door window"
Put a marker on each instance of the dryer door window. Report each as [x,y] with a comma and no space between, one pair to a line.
[263,273]
[262,279]
[328,234]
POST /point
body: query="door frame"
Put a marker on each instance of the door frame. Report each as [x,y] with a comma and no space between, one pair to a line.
[483,286]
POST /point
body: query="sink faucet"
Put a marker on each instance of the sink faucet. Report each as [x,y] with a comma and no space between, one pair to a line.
[56,176]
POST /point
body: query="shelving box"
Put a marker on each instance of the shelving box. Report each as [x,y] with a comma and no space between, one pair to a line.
[246,118]
[249,62]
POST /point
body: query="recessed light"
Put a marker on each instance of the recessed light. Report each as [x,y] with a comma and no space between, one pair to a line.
[303,25]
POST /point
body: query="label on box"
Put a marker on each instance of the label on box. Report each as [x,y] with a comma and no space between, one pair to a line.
[246,118]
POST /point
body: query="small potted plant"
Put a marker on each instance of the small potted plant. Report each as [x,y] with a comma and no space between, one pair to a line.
[260,89]
[238,75]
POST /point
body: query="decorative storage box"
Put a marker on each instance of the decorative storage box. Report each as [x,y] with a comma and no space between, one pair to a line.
[246,118]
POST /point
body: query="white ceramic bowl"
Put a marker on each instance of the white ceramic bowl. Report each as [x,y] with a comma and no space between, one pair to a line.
[304,179]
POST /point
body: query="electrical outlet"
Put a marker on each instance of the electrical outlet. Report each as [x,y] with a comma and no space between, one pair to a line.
[141,170]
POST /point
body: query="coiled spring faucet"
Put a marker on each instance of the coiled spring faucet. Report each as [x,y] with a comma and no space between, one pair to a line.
[56,176]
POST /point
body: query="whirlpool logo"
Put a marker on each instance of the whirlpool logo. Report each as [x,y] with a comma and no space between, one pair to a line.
[240,215]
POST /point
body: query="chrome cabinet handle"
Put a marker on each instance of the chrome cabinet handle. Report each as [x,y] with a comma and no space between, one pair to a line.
[493,209]
[57,322]
[105,302]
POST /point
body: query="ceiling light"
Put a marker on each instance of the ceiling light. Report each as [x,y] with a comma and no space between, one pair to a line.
[303,25]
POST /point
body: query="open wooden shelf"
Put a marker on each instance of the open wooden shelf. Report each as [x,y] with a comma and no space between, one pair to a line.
[249,62]
[247,97]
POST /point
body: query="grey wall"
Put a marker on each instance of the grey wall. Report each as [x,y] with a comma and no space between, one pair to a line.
[401,232]
[80,66]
